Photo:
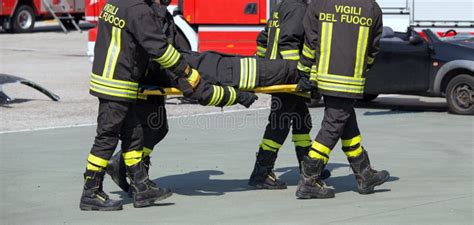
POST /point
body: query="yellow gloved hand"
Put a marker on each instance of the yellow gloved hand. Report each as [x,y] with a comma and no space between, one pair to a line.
[194,78]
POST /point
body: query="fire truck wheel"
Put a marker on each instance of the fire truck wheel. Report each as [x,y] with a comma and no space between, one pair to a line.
[23,19]
[460,95]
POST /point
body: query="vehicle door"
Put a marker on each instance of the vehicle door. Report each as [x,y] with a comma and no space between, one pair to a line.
[402,66]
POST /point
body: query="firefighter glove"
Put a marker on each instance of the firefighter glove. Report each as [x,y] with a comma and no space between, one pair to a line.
[246,98]
[304,83]
[194,78]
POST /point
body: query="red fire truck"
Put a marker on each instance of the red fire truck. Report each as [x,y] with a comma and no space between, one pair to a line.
[19,16]
[231,26]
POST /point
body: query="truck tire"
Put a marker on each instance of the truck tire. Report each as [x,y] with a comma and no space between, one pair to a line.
[369,97]
[23,19]
[460,94]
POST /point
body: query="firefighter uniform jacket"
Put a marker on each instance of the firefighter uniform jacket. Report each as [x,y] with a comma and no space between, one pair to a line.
[341,41]
[283,35]
[128,35]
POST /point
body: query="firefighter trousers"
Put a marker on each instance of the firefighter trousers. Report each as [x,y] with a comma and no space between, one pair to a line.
[153,119]
[116,121]
[287,111]
[339,122]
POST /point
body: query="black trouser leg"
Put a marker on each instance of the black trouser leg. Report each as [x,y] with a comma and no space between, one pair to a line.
[116,120]
[153,119]
[337,113]
[301,126]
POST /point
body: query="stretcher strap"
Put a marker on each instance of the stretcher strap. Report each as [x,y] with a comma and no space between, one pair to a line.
[284,88]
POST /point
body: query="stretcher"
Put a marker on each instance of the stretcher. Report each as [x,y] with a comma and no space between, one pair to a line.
[283,88]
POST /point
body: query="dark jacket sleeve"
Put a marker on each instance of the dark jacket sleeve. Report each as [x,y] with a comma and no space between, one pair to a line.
[377,29]
[306,63]
[291,33]
[262,41]
[143,26]
[208,94]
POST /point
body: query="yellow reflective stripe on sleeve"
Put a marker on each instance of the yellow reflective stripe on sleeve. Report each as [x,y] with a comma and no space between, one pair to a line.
[97,161]
[370,60]
[303,68]
[313,75]
[361,51]
[320,147]
[270,145]
[147,151]
[326,40]
[113,91]
[308,52]
[214,94]
[92,167]
[232,96]
[340,87]
[169,58]
[243,73]
[290,54]
[133,86]
[252,73]
[275,44]
[351,142]
[341,79]
[261,51]
[220,96]
[113,53]
[354,153]
[132,157]
[315,155]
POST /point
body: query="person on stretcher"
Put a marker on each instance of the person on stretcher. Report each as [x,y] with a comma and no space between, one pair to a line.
[227,79]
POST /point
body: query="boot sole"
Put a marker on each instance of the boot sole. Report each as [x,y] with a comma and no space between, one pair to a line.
[87,207]
[149,202]
[305,195]
[268,187]
[370,190]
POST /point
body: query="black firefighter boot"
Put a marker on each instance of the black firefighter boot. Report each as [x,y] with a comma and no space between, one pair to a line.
[262,176]
[301,152]
[118,172]
[144,191]
[310,184]
[93,197]
[367,178]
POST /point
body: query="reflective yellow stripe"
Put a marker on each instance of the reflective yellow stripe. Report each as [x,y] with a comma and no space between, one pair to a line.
[261,51]
[220,96]
[132,157]
[303,68]
[361,51]
[169,58]
[370,60]
[314,73]
[113,91]
[133,86]
[147,151]
[142,96]
[320,147]
[243,73]
[92,167]
[233,96]
[97,161]
[113,53]
[341,79]
[351,142]
[275,44]
[314,155]
[252,73]
[326,40]
[308,52]
[214,94]
[354,153]
[340,87]
[270,145]
[290,54]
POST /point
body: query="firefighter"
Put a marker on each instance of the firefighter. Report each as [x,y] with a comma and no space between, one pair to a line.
[282,39]
[341,41]
[151,110]
[128,36]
